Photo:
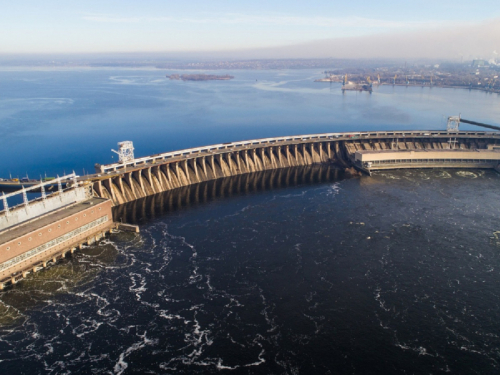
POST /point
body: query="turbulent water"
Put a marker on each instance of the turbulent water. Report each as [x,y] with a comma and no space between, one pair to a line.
[305,271]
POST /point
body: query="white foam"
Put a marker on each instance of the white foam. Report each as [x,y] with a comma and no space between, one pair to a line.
[138,290]
[121,365]
[220,366]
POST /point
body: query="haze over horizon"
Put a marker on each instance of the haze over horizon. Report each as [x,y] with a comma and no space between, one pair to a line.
[277,29]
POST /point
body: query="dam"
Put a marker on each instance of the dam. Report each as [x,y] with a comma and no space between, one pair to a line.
[135,178]
[38,232]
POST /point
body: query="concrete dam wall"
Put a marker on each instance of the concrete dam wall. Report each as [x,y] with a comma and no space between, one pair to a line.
[159,173]
[133,185]
[199,194]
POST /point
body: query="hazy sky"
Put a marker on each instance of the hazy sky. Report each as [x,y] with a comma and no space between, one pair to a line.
[62,26]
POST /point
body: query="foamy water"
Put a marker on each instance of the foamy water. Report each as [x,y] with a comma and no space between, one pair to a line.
[386,274]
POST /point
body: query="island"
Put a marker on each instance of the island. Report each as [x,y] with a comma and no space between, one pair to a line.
[200,77]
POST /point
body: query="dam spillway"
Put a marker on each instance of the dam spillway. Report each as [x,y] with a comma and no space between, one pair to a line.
[146,176]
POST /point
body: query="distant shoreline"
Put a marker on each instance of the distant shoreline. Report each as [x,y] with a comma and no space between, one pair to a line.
[492,91]
[199,77]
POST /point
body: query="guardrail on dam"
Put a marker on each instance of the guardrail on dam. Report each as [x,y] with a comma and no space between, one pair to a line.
[141,177]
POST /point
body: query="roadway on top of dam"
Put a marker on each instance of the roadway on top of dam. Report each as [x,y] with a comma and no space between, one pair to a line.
[110,170]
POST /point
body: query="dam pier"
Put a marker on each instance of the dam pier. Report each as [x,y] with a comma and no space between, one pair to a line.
[135,178]
[41,231]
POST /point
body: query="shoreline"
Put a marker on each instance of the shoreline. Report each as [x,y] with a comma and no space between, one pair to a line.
[422,86]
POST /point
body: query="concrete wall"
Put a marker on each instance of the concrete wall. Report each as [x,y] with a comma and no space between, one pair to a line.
[140,182]
[169,201]
[165,172]
[43,242]
[368,156]
[40,207]
[297,139]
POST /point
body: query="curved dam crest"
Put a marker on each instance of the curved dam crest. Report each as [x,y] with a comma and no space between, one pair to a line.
[364,151]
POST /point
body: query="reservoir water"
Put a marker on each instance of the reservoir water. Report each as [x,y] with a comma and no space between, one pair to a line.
[300,271]
[56,121]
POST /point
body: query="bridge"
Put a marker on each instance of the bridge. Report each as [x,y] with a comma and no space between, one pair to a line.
[136,178]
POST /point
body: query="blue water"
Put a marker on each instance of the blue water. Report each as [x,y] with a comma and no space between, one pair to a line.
[58,121]
[294,271]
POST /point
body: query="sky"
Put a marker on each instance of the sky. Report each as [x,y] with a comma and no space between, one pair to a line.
[90,26]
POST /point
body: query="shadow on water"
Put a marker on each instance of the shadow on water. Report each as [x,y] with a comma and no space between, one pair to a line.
[148,208]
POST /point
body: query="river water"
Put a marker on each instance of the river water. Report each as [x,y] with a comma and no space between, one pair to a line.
[298,271]
[56,121]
